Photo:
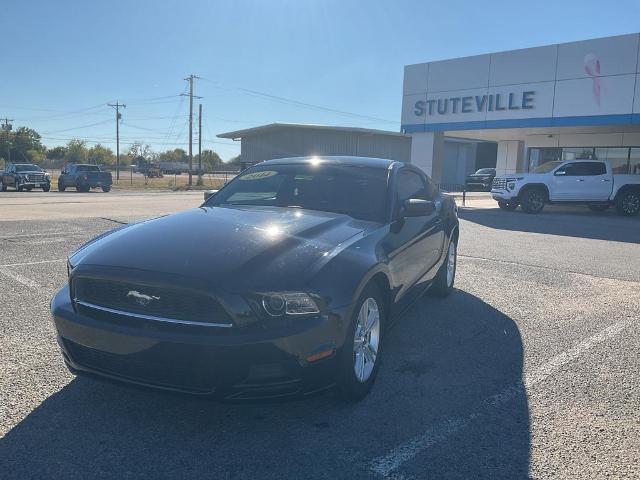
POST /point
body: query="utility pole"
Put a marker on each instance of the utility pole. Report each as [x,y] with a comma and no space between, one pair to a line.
[6,127]
[200,144]
[118,117]
[190,79]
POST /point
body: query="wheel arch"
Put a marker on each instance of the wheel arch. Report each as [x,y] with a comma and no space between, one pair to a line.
[532,186]
[626,189]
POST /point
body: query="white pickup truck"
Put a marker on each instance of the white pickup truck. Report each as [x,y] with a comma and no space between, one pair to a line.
[587,182]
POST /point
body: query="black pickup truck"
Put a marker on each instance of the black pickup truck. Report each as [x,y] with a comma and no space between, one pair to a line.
[24,176]
[84,177]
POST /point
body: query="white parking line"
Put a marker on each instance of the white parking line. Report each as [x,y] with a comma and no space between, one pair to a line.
[21,279]
[41,262]
[387,465]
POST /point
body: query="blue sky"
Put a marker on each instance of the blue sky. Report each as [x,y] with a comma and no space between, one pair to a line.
[62,61]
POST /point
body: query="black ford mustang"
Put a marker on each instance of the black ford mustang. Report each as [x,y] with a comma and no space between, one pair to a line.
[281,284]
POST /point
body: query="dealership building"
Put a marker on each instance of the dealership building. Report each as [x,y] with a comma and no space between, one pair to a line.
[578,100]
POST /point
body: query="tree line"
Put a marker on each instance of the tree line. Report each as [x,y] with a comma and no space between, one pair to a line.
[24,145]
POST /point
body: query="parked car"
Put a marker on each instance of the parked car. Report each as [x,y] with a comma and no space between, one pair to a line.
[481,180]
[24,176]
[83,178]
[587,182]
[294,272]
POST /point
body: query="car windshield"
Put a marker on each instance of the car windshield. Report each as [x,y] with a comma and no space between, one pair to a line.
[88,168]
[546,167]
[486,171]
[353,190]
[27,168]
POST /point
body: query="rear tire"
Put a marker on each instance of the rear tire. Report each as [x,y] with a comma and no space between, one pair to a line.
[106,188]
[61,187]
[508,206]
[445,278]
[360,356]
[533,200]
[598,208]
[628,203]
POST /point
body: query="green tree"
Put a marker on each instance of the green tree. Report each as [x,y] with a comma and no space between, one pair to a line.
[210,160]
[55,157]
[101,155]
[175,155]
[76,151]
[21,145]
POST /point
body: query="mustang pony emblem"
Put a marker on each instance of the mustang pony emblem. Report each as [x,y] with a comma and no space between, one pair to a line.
[140,298]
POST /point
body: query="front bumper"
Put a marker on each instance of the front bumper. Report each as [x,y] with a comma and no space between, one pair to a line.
[222,363]
[503,195]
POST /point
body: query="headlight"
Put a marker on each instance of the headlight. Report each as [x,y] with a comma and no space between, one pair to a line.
[290,303]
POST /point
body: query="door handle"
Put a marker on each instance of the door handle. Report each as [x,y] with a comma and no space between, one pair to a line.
[580,180]
[605,180]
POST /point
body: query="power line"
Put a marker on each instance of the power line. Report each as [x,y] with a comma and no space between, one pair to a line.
[78,127]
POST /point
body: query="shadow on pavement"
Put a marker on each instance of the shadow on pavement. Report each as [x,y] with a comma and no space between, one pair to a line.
[443,363]
[566,221]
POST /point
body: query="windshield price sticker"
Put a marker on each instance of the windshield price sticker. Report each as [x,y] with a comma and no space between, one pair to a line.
[258,175]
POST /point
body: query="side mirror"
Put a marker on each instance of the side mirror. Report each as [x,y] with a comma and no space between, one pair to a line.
[416,207]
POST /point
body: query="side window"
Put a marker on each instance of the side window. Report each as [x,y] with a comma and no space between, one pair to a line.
[594,168]
[581,169]
[571,170]
[410,185]
[432,190]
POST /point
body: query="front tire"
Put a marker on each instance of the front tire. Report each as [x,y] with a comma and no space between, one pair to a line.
[106,188]
[628,203]
[532,200]
[61,186]
[360,355]
[3,187]
[46,188]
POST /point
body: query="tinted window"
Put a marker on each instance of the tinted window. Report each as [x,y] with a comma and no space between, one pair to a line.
[357,191]
[581,169]
[27,168]
[88,168]
[410,185]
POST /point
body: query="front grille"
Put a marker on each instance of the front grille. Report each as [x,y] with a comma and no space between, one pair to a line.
[151,301]
[499,183]
[35,177]
[174,374]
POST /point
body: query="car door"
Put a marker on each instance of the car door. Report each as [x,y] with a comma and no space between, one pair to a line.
[10,178]
[414,244]
[597,181]
[569,183]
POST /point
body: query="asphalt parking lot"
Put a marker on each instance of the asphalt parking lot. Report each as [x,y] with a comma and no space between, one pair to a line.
[529,370]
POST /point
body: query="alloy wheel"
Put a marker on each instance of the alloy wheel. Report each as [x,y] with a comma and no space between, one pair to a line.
[451,263]
[366,340]
[631,203]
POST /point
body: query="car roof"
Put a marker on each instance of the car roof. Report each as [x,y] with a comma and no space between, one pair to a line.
[334,160]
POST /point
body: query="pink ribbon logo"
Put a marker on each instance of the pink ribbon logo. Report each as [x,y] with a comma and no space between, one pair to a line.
[592,68]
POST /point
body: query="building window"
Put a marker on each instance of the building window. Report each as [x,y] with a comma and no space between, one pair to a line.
[617,157]
[623,160]
[538,156]
[634,160]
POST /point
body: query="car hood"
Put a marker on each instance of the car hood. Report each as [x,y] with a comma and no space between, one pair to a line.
[480,177]
[239,248]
